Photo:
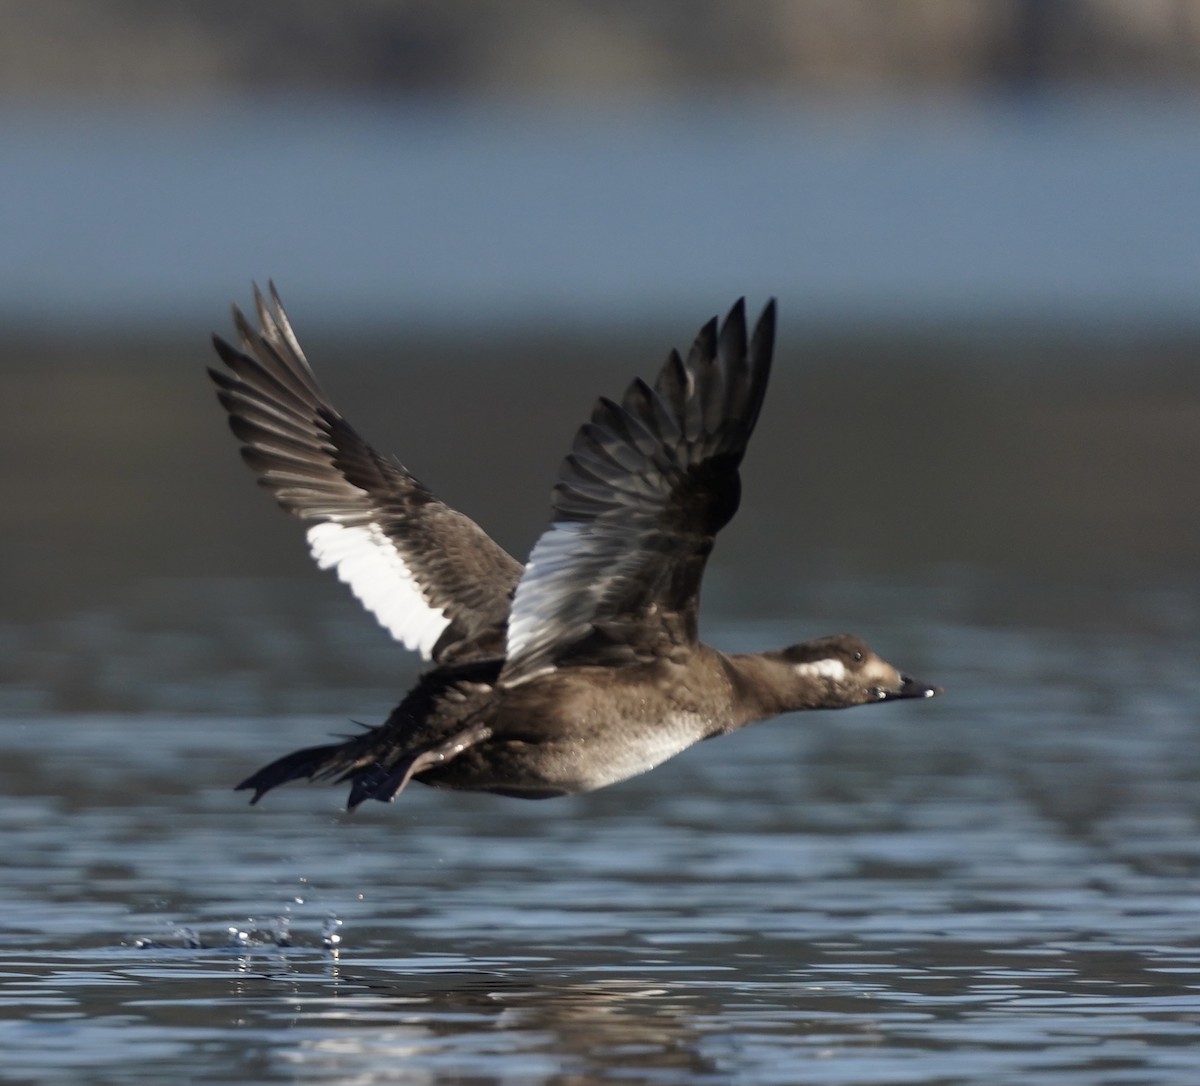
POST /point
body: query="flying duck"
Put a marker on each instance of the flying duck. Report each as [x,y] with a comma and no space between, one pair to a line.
[582,667]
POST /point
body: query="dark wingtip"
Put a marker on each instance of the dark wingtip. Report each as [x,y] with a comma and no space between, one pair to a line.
[760,355]
[766,319]
[706,338]
[732,342]
[763,339]
[226,351]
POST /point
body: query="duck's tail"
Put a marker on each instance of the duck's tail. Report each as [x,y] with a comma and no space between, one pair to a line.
[332,760]
[377,766]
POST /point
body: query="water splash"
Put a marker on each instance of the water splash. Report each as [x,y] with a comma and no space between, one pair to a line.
[188,938]
[331,934]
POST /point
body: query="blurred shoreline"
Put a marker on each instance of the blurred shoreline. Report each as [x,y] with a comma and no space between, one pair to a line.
[510,47]
[1040,458]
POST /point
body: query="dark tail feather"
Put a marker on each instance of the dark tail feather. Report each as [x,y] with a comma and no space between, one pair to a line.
[352,760]
[377,766]
[310,763]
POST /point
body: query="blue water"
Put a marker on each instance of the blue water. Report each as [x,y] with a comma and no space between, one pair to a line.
[1000,885]
[1071,208]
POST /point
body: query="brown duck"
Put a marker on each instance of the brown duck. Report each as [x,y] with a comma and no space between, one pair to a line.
[582,667]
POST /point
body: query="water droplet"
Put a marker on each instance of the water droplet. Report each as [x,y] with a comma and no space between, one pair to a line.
[330,933]
[238,937]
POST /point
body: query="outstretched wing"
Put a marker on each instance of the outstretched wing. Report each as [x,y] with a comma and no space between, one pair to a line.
[647,485]
[431,576]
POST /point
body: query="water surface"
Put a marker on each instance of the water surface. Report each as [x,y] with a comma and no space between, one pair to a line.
[998,885]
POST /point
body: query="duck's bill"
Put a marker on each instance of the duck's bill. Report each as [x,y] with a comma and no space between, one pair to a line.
[910,688]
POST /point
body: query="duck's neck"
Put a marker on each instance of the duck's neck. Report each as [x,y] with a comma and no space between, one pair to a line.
[765,686]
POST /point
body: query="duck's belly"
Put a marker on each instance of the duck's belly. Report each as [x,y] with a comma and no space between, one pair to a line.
[570,761]
[615,754]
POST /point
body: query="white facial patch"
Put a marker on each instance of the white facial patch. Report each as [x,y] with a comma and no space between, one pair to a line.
[831,668]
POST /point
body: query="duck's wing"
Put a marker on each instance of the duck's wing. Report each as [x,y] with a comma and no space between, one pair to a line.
[431,576]
[639,499]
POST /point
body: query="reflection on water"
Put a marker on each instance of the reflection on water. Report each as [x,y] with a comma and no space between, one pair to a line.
[1000,885]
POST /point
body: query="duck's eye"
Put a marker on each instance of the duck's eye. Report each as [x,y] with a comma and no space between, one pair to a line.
[858,656]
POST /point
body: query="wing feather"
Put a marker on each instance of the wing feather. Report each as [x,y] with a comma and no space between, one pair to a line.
[647,485]
[431,576]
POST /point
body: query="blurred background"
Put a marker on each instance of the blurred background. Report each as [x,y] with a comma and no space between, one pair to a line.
[980,451]
[981,219]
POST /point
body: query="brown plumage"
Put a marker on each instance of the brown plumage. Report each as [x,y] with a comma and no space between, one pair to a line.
[583,667]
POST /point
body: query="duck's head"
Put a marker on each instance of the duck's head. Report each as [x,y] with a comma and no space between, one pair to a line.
[839,671]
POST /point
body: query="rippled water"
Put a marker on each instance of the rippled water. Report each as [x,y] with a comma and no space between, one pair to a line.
[999,885]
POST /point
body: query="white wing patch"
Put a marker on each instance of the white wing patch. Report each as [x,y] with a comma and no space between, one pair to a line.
[550,575]
[367,561]
[831,668]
